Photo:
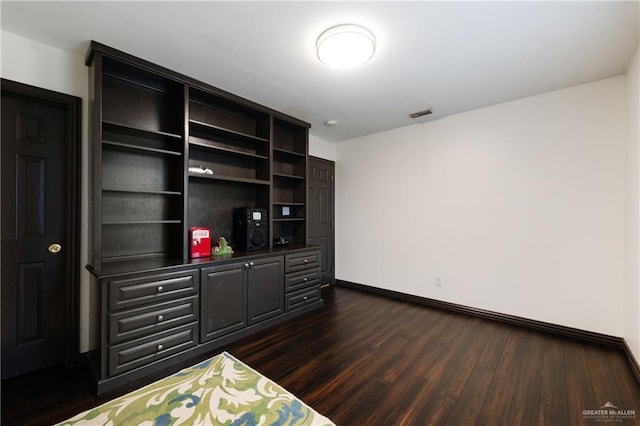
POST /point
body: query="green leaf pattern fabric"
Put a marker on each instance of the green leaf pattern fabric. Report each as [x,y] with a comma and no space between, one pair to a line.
[219,391]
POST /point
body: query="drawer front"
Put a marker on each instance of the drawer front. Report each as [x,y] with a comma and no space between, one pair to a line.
[301,298]
[130,292]
[141,352]
[140,322]
[302,261]
[300,280]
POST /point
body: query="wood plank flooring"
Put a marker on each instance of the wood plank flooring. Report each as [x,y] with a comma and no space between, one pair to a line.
[367,360]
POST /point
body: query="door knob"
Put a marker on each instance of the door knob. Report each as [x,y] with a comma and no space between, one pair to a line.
[54,248]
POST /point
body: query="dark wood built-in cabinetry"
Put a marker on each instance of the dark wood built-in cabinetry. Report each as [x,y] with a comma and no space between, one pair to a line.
[168,153]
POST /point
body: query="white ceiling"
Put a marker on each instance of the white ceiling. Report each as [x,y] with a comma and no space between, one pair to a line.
[450,56]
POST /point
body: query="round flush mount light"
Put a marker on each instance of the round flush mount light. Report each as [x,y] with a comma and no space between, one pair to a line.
[345,46]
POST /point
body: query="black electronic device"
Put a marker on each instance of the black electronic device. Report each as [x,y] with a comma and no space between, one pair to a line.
[250,229]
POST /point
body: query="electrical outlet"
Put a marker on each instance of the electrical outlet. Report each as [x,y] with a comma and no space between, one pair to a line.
[437,281]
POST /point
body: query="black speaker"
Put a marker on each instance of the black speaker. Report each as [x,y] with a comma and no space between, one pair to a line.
[250,229]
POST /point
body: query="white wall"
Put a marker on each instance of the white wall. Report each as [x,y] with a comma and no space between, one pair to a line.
[322,148]
[37,64]
[632,216]
[518,207]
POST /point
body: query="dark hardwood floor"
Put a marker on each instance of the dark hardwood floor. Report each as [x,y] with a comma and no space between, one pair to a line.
[367,360]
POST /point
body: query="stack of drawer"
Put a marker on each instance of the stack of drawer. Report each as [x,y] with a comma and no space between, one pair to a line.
[302,279]
[150,317]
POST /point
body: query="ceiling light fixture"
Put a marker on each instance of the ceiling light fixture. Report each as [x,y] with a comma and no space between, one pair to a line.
[345,46]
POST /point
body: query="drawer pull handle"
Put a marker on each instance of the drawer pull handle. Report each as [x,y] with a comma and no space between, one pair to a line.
[160,288]
[305,279]
[246,265]
[160,347]
[251,264]
[160,318]
[305,297]
[305,261]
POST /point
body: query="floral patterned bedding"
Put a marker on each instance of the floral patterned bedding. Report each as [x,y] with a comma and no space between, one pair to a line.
[219,391]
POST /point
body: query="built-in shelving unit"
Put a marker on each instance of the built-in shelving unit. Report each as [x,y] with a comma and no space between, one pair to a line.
[170,152]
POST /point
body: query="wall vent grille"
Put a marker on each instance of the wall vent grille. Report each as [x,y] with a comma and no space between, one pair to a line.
[421,113]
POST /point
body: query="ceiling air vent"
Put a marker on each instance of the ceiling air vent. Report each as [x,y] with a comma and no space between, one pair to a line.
[421,113]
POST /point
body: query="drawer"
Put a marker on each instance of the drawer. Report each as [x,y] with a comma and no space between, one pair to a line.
[140,322]
[301,261]
[141,352]
[300,280]
[301,298]
[129,292]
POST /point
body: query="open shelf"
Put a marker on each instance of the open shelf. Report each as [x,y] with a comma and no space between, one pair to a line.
[230,179]
[209,145]
[221,114]
[291,230]
[217,130]
[287,204]
[289,138]
[138,171]
[139,222]
[288,153]
[135,131]
[288,211]
[131,74]
[141,239]
[139,191]
[127,146]
[287,176]
[227,196]
[229,163]
[140,100]
[140,207]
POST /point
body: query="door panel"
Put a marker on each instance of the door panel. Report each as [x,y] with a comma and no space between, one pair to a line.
[35,155]
[321,214]
[266,289]
[223,298]
[30,324]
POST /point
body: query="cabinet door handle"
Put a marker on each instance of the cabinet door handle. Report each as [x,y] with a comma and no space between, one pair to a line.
[246,265]
[251,264]
[160,288]
[160,318]
[160,347]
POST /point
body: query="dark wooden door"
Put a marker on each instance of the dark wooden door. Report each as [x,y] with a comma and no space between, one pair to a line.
[223,300]
[321,214]
[266,289]
[35,233]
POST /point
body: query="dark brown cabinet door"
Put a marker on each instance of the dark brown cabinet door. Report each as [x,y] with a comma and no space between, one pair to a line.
[321,214]
[223,300]
[34,253]
[266,289]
